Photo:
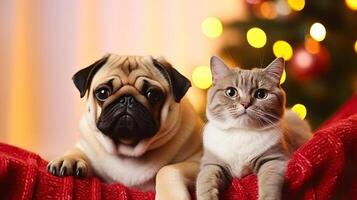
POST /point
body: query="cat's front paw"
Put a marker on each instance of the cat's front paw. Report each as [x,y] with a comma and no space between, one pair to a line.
[209,181]
[68,166]
[268,198]
[211,194]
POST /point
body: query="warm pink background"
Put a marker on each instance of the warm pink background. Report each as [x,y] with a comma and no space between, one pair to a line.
[44,42]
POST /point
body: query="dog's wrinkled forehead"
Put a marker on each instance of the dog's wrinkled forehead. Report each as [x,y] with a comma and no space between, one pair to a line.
[125,70]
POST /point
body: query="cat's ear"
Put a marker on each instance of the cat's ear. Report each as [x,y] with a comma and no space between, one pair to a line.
[218,68]
[275,69]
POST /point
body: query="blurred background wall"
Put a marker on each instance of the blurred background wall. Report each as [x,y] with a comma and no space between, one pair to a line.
[44,42]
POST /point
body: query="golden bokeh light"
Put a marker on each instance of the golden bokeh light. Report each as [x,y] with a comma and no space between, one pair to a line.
[296,5]
[283,77]
[256,37]
[318,31]
[352,4]
[202,77]
[268,10]
[300,110]
[312,46]
[197,98]
[212,27]
[356,46]
[282,49]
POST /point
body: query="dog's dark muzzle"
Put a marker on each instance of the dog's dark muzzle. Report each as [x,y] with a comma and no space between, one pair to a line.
[126,118]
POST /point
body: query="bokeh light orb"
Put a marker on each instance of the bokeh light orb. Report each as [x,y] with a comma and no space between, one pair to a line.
[304,59]
[212,27]
[283,77]
[300,110]
[352,4]
[318,31]
[296,5]
[202,77]
[356,46]
[268,10]
[283,49]
[312,46]
[256,37]
[282,8]
[253,1]
[305,66]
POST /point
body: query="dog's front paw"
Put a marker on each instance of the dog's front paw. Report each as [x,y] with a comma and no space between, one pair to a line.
[68,166]
[170,184]
[173,195]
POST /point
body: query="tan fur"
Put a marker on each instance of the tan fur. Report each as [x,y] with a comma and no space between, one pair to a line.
[297,131]
[173,152]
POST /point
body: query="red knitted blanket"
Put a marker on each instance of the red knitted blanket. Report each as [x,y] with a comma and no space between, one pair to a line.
[324,168]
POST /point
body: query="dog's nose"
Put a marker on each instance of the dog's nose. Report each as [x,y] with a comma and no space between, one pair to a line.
[126,100]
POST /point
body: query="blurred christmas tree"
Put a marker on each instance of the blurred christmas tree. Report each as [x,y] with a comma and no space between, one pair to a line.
[318,39]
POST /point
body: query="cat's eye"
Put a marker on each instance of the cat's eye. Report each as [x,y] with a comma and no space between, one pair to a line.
[231,92]
[261,94]
[102,93]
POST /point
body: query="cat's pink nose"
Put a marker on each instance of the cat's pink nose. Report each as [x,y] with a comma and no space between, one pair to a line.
[245,104]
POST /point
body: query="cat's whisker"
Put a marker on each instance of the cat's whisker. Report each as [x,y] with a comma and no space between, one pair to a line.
[262,118]
[267,113]
[264,114]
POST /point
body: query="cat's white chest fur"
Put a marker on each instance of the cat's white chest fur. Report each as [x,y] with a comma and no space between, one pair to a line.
[237,147]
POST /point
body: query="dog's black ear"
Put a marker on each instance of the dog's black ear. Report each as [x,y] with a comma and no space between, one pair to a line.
[83,78]
[179,83]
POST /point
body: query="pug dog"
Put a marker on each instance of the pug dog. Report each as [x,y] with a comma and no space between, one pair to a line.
[138,128]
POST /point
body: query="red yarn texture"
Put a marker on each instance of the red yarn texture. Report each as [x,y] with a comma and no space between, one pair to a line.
[324,168]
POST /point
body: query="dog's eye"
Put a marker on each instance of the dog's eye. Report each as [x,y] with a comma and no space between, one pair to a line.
[103,93]
[154,96]
[231,92]
[260,94]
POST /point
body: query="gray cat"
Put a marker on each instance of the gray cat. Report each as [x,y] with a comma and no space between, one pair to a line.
[248,130]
